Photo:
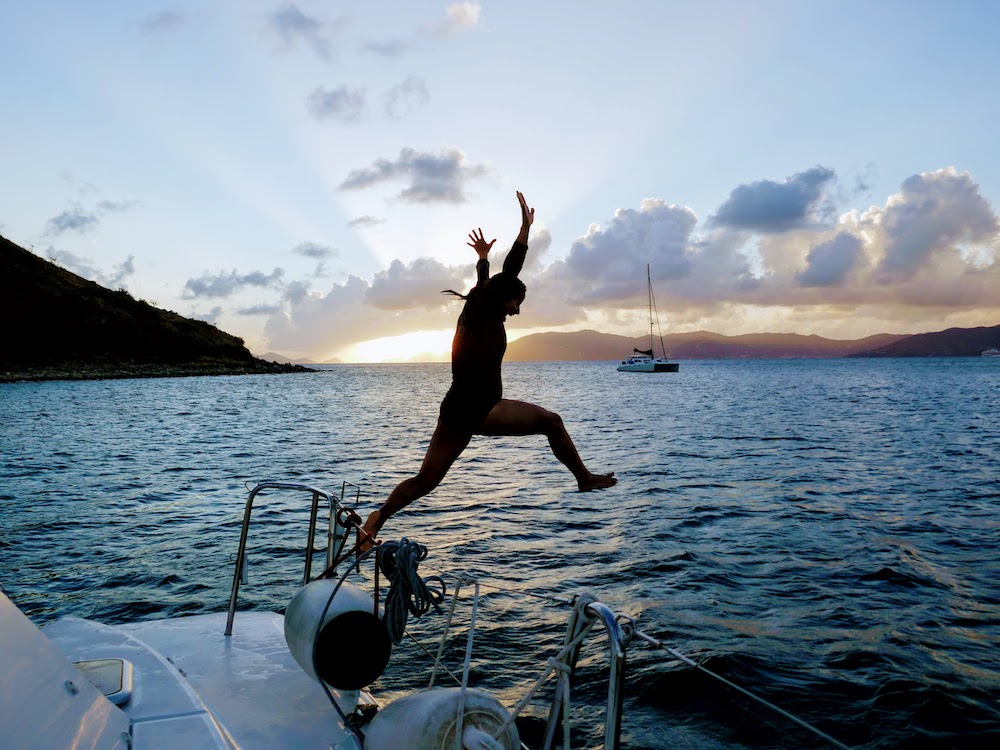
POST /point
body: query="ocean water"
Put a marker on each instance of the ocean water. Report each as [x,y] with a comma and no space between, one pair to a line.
[824,533]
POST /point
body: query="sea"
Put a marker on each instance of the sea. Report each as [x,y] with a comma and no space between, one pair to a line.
[823,533]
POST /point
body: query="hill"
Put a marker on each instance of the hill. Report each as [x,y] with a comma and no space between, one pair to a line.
[953,342]
[69,327]
[592,345]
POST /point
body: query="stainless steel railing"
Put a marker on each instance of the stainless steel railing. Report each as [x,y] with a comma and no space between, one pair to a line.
[333,534]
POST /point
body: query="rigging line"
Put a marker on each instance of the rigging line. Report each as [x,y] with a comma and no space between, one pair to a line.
[686,660]
[567,600]
[764,702]
[656,312]
[423,648]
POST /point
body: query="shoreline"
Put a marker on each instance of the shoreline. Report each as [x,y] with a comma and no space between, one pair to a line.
[127,370]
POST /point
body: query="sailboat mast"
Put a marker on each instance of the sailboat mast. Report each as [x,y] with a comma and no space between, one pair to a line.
[649,305]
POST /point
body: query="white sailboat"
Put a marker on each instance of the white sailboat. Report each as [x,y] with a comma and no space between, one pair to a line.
[643,360]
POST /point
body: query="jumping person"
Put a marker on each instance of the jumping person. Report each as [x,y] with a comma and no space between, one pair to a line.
[474,404]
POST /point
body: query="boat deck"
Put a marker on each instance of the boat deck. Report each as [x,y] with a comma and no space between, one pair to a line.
[201,689]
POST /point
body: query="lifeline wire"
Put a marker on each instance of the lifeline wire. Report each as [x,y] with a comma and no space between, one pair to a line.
[691,663]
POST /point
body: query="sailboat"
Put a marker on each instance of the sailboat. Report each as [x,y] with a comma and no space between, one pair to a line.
[642,360]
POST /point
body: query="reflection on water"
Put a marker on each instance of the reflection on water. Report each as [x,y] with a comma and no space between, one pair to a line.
[823,532]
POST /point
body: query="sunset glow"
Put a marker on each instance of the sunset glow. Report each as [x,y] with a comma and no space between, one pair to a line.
[305,175]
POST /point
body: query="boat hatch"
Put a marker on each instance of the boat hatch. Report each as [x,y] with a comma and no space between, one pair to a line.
[113,677]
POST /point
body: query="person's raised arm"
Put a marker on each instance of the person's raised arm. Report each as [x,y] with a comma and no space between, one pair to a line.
[482,248]
[515,258]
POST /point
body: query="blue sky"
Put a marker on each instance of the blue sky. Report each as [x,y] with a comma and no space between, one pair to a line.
[304,175]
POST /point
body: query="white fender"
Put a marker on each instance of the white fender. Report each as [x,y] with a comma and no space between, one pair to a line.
[428,720]
[352,647]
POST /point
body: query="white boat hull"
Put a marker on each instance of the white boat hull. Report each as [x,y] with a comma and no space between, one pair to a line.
[648,365]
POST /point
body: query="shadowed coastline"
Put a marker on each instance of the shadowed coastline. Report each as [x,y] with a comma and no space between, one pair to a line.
[61,326]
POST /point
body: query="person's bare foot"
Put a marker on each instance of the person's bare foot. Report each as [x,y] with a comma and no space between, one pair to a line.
[372,526]
[597,482]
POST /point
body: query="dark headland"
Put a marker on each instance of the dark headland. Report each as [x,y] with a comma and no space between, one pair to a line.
[61,326]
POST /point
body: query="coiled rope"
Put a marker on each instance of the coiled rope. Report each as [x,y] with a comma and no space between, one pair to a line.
[408,592]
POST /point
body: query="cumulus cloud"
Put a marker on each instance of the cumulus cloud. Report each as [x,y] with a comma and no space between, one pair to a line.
[403,99]
[767,206]
[933,214]
[608,264]
[830,262]
[431,177]
[226,284]
[342,103]
[345,315]
[294,27]
[927,253]
[418,284]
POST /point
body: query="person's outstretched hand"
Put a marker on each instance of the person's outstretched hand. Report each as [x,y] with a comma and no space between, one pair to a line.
[527,218]
[479,244]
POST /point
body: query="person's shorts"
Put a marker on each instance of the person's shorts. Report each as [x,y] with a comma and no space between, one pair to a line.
[465,412]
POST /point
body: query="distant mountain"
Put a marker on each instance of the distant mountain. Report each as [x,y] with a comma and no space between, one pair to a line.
[61,325]
[275,357]
[953,342]
[592,345]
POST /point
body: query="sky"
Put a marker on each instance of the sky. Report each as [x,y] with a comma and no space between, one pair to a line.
[305,175]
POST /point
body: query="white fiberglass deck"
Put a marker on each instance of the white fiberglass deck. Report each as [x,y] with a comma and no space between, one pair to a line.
[196,688]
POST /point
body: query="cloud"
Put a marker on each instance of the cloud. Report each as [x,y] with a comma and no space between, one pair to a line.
[432,178]
[419,284]
[459,17]
[391,48]
[938,229]
[295,27]
[608,264]
[212,316]
[79,219]
[345,316]
[342,103]
[116,206]
[767,206]
[262,309]
[402,298]
[227,284]
[162,23]
[403,99]
[365,221]
[934,212]
[74,220]
[314,250]
[830,262]
[86,268]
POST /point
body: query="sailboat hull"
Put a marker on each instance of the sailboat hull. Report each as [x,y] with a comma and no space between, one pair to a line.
[655,365]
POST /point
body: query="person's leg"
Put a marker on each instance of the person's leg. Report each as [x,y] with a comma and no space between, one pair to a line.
[510,417]
[446,445]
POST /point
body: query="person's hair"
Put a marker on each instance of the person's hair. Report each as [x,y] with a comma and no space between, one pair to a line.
[498,290]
